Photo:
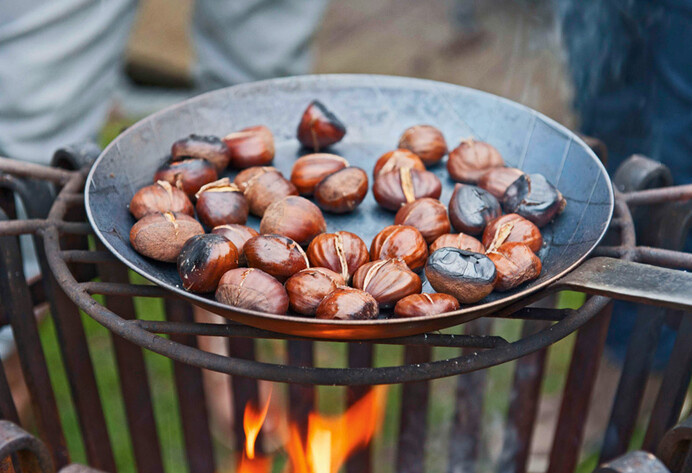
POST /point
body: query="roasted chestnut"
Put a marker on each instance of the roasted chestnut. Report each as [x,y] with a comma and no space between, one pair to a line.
[534,198]
[238,235]
[347,303]
[161,236]
[342,252]
[243,178]
[252,146]
[419,305]
[426,141]
[400,241]
[387,281]
[515,264]
[265,189]
[428,215]
[319,128]
[276,255]
[497,180]
[471,208]
[308,287]
[458,240]
[203,260]
[220,203]
[342,191]
[395,160]
[207,147]
[310,169]
[395,188]
[463,274]
[471,159]
[252,289]
[187,175]
[295,217]
[160,197]
[512,228]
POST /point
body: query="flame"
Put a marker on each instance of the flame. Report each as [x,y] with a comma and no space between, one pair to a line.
[252,423]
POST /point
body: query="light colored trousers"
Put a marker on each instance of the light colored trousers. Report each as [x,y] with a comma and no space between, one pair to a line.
[60,60]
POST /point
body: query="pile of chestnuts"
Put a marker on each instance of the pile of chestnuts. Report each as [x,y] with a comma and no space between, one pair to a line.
[291,265]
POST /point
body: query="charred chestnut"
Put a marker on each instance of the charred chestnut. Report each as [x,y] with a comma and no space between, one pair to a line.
[252,146]
[276,255]
[319,128]
[420,305]
[515,264]
[400,241]
[426,141]
[512,228]
[458,240]
[310,169]
[308,287]
[387,281]
[534,198]
[395,160]
[252,289]
[160,197]
[203,260]
[161,236]
[347,303]
[471,208]
[463,274]
[342,252]
[342,191]
[471,159]
[207,147]
[497,180]
[238,235]
[243,178]
[265,189]
[428,215]
[396,188]
[295,217]
[220,203]
[187,175]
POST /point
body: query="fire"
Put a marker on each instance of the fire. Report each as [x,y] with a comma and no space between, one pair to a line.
[252,423]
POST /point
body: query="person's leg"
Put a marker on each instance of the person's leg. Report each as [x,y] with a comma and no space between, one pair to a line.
[59,63]
[253,39]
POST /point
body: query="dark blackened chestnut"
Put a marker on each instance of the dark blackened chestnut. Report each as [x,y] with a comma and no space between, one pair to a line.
[512,228]
[295,217]
[396,188]
[265,189]
[458,240]
[471,159]
[187,175]
[276,255]
[161,236]
[342,252]
[428,215]
[220,203]
[465,275]
[387,281]
[534,198]
[252,146]
[207,147]
[319,128]
[310,169]
[515,264]
[471,208]
[252,289]
[160,197]
[244,177]
[347,303]
[400,241]
[420,305]
[238,235]
[426,141]
[308,287]
[342,191]
[497,180]
[203,260]
[395,160]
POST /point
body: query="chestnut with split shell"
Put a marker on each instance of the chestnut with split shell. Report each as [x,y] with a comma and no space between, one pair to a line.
[188,175]
[347,303]
[160,197]
[276,255]
[471,208]
[428,215]
[308,287]
[515,264]
[471,159]
[161,236]
[387,281]
[238,235]
[395,160]
[420,305]
[295,217]
[310,169]
[458,240]
[252,146]
[342,252]
[396,188]
[426,141]
[266,188]
[319,128]
[244,177]
[221,203]
[512,228]
[497,180]
[400,241]
[467,276]
[207,147]
[342,191]
[203,260]
[252,289]
[534,198]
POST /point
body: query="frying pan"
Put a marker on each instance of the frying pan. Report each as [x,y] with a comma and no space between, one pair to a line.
[375,110]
